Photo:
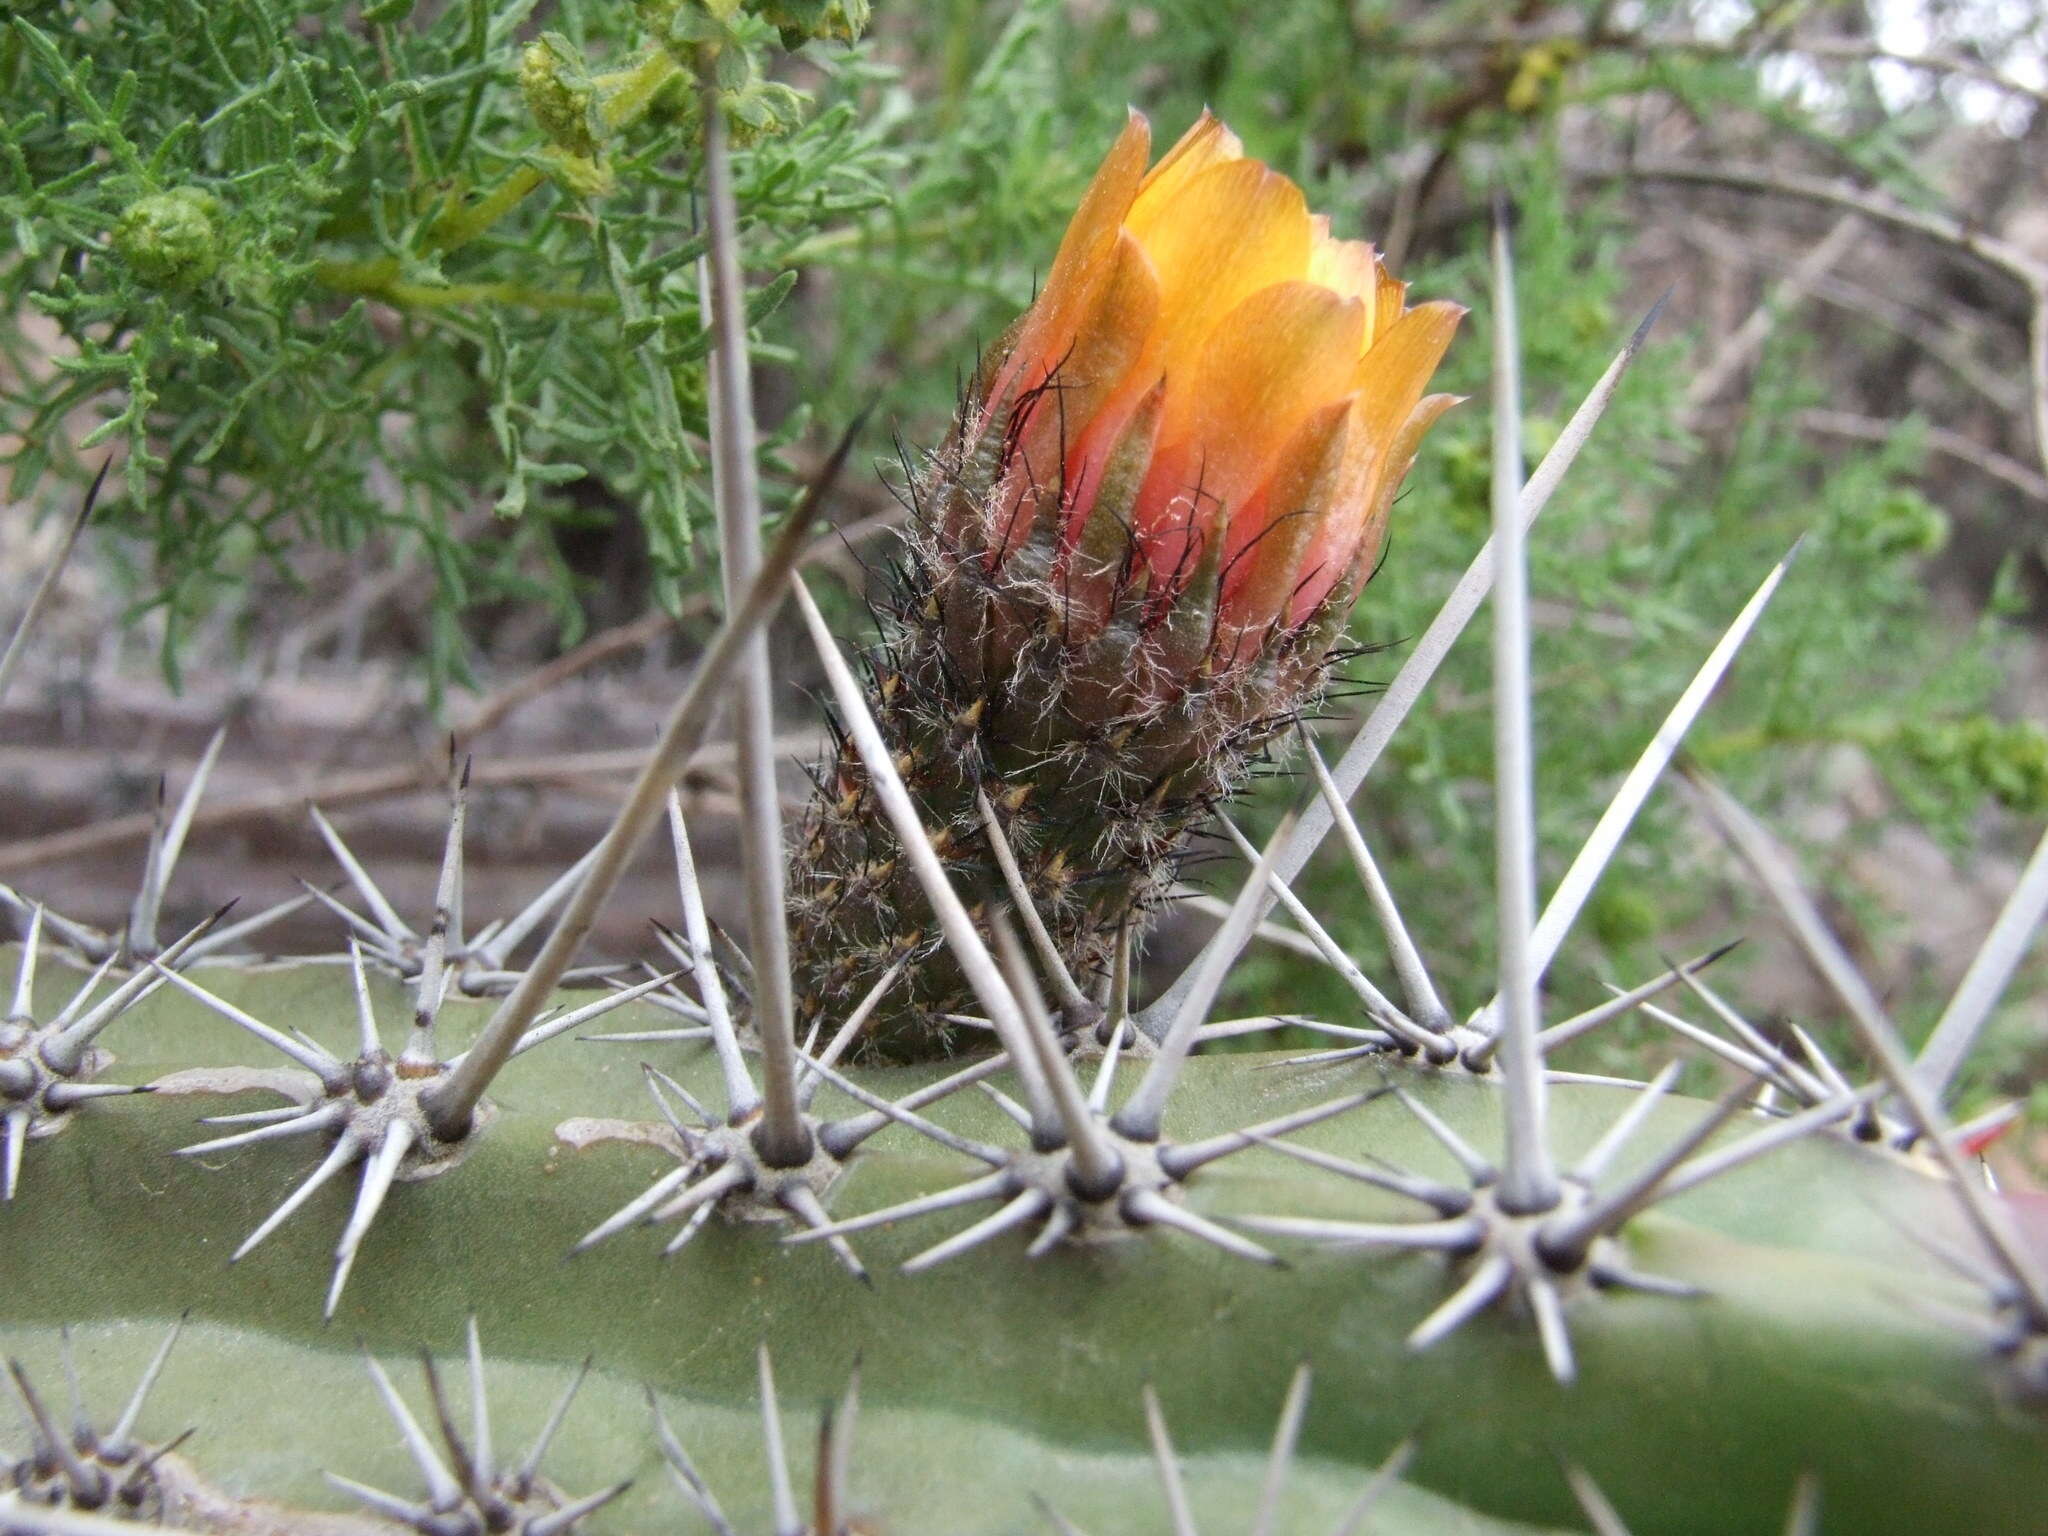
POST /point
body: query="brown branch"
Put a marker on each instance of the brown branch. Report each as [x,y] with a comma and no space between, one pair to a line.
[1839,50]
[429,772]
[1948,344]
[1934,334]
[367,785]
[1742,345]
[828,549]
[343,789]
[492,709]
[1954,445]
[1942,229]
[832,549]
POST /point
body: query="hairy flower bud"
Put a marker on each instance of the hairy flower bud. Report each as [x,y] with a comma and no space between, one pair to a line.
[1134,554]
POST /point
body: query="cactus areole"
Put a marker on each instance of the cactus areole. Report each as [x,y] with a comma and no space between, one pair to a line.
[1129,564]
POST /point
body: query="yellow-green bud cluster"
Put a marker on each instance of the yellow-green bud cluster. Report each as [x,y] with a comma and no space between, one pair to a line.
[171,240]
[728,42]
[2007,758]
[561,96]
[801,21]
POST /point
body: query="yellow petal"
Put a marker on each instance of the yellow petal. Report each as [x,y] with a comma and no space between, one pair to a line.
[1390,295]
[1206,143]
[1400,459]
[1392,376]
[1277,356]
[1211,372]
[1348,266]
[1107,340]
[1236,228]
[1112,336]
[1092,231]
[1387,382]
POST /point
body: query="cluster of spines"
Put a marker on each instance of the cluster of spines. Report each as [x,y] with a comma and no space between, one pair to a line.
[82,1481]
[80,1467]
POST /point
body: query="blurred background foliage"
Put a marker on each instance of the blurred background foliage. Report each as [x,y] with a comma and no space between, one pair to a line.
[388,315]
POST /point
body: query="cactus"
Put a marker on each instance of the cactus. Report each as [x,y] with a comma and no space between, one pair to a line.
[1122,1285]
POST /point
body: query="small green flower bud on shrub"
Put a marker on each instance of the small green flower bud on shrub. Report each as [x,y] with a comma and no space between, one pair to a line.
[833,21]
[675,104]
[586,178]
[171,240]
[695,32]
[716,36]
[1903,524]
[764,110]
[559,94]
[2006,759]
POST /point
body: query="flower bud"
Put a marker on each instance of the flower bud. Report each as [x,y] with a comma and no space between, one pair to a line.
[799,21]
[1130,562]
[560,95]
[171,239]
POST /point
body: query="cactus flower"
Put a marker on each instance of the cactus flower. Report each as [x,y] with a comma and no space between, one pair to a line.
[1130,561]
[1209,368]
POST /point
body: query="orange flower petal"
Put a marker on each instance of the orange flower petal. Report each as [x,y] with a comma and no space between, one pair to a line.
[1085,251]
[1093,229]
[1108,340]
[1114,334]
[1353,533]
[1392,376]
[1401,456]
[1249,374]
[1235,229]
[1390,295]
[1206,143]
[1349,266]
[1277,355]
[1350,498]
[1266,543]
[1388,381]
[1427,410]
